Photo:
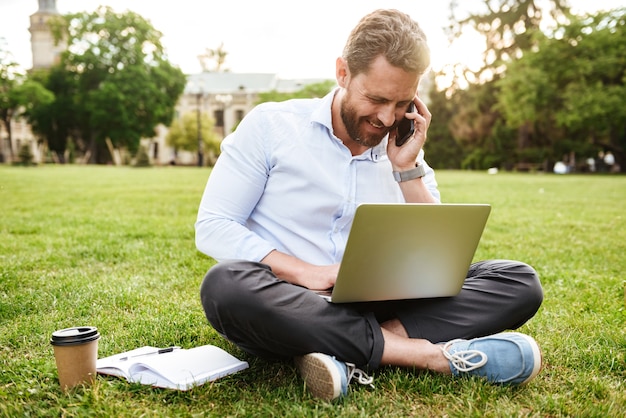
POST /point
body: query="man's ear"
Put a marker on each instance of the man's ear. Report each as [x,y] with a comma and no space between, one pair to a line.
[342,73]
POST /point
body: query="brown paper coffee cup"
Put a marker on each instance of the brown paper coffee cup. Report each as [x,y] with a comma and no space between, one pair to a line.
[75,353]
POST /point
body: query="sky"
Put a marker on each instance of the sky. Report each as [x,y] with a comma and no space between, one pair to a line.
[291,38]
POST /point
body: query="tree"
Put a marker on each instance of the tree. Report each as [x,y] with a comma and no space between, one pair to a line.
[217,55]
[442,151]
[124,84]
[19,96]
[509,28]
[479,129]
[30,96]
[577,106]
[9,105]
[56,121]
[320,89]
[183,135]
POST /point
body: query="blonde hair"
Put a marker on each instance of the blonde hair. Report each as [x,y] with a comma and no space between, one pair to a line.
[389,33]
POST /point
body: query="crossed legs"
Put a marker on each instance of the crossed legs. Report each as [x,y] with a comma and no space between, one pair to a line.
[268,317]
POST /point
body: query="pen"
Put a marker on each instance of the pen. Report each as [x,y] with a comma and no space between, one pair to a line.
[159,351]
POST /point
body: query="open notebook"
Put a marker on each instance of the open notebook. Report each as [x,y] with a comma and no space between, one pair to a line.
[408,251]
[179,369]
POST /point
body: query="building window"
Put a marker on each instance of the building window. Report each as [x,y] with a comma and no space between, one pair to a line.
[239,115]
[218,115]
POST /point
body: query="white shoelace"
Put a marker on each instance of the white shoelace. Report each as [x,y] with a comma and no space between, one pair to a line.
[462,360]
[361,377]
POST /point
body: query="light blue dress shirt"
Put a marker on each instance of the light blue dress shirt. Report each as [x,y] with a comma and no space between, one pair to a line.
[285,182]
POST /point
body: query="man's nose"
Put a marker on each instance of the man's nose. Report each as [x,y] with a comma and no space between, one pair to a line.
[387,115]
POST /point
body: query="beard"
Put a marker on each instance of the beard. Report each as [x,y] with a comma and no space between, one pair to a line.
[353,123]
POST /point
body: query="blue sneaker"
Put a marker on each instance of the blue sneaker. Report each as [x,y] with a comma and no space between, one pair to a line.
[508,358]
[328,378]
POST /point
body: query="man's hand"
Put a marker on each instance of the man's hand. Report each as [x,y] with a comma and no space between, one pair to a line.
[319,277]
[298,272]
[403,158]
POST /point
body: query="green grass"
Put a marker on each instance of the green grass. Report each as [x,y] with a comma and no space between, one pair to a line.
[114,248]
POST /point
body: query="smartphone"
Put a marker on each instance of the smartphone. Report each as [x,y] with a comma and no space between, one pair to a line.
[406,127]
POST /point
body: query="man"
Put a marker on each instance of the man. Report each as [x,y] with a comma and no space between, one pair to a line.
[276,214]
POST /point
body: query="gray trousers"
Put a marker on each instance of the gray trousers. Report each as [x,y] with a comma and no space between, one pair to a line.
[268,317]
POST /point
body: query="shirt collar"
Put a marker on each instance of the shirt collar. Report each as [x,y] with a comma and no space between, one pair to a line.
[323,115]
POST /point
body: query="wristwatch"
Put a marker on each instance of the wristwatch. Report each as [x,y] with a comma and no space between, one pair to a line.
[414,173]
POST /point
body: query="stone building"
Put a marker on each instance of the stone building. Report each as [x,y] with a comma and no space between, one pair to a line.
[226,97]
[46,52]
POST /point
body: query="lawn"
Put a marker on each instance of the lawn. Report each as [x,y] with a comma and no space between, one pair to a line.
[114,248]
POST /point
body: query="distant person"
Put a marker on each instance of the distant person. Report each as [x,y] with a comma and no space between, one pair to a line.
[571,162]
[600,162]
[277,210]
[609,161]
[560,168]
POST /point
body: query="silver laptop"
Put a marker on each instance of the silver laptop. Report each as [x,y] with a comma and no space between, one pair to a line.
[408,251]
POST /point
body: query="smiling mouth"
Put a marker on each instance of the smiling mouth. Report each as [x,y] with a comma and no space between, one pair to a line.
[377,125]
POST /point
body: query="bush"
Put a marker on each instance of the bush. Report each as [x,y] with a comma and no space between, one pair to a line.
[25,156]
[142,159]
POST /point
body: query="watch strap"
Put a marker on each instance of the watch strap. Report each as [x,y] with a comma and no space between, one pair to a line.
[414,173]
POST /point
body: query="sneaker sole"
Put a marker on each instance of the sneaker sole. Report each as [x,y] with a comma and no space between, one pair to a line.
[536,355]
[320,376]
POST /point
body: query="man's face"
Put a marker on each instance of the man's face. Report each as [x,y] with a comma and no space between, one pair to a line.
[376,101]
[357,128]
